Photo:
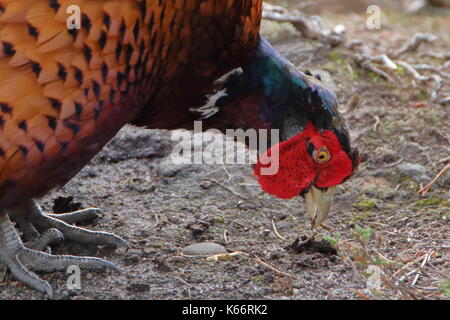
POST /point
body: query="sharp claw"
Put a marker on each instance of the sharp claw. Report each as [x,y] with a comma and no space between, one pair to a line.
[97,264]
[43,287]
[47,289]
[120,242]
[112,266]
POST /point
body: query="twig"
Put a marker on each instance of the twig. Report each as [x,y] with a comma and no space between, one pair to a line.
[427,288]
[274,227]
[307,61]
[425,189]
[408,264]
[424,262]
[394,164]
[443,160]
[377,122]
[363,56]
[414,43]
[437,69]
[445,137]
[382,256]
[311,237]
[224,256]
[184,282]
[227,172]
[227,188]
[309,26]
[437,55]
[384,60]
[443,101]
[366,63]
[281,273]
[437,79]
[398,285]
[411,273]
[225,238]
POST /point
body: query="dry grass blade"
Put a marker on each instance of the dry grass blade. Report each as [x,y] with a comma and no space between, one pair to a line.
[426,259]
[425,189]
[227,188]
[224,256]
[274,227]
[281,273]
[225,237]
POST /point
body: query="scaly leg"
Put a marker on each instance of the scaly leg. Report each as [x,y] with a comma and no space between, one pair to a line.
[31,219]
[77,216]
[21,260]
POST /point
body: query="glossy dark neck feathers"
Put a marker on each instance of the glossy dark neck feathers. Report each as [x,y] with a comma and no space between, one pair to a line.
[269,92]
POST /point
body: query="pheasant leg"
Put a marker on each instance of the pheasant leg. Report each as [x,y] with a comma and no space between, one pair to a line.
[22,261]
[77,216]
[32,220]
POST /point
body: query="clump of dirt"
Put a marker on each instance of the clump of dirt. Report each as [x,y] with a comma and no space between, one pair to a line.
[198,228]
[310,245]
[65,204]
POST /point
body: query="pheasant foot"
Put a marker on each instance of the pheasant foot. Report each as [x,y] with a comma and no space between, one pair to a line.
[22,261]
[33,221]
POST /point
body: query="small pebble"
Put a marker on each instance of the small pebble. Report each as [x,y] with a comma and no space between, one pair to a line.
[203,249]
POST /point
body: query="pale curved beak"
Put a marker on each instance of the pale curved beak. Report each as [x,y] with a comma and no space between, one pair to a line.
[318,204]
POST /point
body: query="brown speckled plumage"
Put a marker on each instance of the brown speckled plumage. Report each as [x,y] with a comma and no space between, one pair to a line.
[65,93]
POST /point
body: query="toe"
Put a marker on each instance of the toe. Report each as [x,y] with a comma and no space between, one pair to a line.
[44,262]
[49,237]
[22,274]
[79,216]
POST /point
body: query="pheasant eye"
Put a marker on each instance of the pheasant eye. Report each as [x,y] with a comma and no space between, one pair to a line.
[321,156]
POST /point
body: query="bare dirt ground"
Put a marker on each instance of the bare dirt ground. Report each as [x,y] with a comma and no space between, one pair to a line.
[379,224]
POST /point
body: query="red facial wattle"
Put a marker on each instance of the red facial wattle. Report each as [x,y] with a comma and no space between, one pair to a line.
[297,170]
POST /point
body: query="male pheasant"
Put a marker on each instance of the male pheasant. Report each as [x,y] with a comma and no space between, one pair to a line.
[65,92]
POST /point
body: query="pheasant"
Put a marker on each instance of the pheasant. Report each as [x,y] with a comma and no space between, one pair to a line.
[73,72]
